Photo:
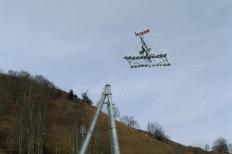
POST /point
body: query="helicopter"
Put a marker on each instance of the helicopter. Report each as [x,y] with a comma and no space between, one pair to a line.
[145,56]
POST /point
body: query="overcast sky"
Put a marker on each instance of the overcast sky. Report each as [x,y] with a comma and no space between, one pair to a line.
[79,45]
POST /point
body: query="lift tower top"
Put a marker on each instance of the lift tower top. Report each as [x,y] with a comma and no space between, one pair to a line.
[106,98]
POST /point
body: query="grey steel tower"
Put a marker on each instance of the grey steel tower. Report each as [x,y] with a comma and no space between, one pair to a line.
[106,98]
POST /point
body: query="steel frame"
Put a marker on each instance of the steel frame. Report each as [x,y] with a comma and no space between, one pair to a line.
[106,98]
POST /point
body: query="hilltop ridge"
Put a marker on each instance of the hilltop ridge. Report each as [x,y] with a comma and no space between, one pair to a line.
[37,116]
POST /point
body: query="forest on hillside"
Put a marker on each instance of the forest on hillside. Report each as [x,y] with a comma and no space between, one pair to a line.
[36,117]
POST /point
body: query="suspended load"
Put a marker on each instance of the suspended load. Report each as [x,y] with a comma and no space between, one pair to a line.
[145,57]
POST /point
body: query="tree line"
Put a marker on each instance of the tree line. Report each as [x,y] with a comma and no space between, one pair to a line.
[29,93]
[219,145]
[28,101]
[155,130]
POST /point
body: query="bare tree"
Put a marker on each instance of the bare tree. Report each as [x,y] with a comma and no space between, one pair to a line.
[156,131]
[220,145]
[230,148]
[86,98]
[206,147]
[12,73]
[116,112]
[1,71]
[129,121]
[36,130]
[20,139]
[74,139]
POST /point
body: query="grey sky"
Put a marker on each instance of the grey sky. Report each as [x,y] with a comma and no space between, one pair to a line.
[80,45]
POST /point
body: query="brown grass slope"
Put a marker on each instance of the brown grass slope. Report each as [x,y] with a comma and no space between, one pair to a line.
[35,116]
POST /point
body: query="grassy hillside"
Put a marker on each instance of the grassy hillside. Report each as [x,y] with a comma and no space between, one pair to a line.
[36,117]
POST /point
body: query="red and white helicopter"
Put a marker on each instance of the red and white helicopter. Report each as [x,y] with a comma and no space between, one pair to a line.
[146,58]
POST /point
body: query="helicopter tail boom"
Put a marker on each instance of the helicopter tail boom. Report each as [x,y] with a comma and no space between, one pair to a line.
[142,33]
